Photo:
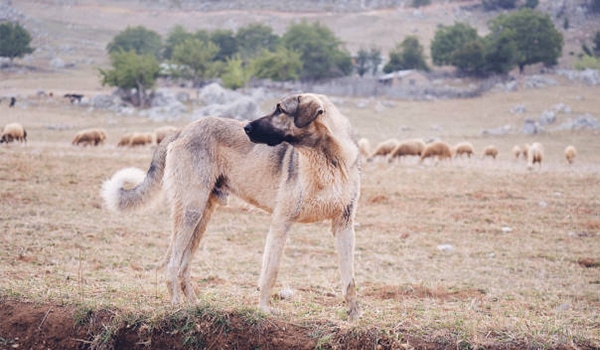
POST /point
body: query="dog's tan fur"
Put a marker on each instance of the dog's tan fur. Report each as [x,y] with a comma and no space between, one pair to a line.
[300,163]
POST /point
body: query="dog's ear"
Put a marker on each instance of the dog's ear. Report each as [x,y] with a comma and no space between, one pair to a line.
[307,109]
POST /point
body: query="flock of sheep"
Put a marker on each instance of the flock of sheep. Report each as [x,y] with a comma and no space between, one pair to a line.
[391,149]
[394,149]
[94,136]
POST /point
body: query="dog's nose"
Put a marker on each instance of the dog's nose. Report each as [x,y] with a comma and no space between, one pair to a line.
[248,128]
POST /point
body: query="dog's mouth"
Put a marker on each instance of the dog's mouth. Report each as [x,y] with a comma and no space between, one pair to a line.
[259,134]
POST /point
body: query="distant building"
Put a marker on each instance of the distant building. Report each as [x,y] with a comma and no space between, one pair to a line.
[404,78]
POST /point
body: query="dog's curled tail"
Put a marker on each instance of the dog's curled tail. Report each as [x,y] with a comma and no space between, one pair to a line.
[131,188]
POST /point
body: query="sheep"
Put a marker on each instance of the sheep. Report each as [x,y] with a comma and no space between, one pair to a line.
[411,147]
[463,148]
[439,149]
[490,151]
[364,147]
[125,140]
[12,132]
[525,150]
[535,154]
[164,131]
[384,148]
[516,151]
[141,139]
[570,153]
[92,137]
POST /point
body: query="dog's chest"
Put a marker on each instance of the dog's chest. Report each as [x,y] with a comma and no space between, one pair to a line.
[323,201]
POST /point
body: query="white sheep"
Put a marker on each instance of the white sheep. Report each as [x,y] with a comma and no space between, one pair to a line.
[164,131]
[439,149]
[463,148]
[410,147]
[13,132]
[384,148]
[364,146]
[570,153]
[490,151]
[535,154]
[93,137]
[516,151]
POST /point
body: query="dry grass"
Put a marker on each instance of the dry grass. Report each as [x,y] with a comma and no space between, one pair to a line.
[513,270]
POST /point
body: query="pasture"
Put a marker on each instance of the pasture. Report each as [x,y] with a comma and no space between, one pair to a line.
[468,253]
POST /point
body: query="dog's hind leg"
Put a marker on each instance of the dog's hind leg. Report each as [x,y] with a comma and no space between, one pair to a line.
[276,238]
[344,243]
[189,224]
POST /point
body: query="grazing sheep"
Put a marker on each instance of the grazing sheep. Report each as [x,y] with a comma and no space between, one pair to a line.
[490,151]
[125,140]
[364,146]
[163,132]
[93,137]
[535,154]
[516,151]
[439,149]
[13,132]
[412,147]
[463,148]
[384,148]
[570,153]
[525,150]
[141,139]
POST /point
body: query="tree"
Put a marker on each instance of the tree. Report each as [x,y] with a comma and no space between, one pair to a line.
[176,36]
[362,62]
[534,34]
[500,52]
[320,50]
[596,48]
[14,41]
[234,76]
[491,5]
[138,39]
[446,40]
[470,58]
[281,65]
[132,71]
[254,38]
[375,60]
[195,57]
[226,42]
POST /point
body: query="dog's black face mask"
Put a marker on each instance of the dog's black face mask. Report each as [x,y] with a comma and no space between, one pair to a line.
[285,123]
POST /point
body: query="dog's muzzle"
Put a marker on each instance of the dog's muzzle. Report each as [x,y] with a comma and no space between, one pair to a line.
[260,134]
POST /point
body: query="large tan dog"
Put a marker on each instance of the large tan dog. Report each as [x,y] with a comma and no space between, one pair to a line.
[300,163]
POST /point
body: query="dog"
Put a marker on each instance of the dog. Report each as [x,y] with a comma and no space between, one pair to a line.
[301,163]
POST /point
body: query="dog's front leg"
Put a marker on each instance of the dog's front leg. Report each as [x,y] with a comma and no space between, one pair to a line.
[276,239]
[344,243]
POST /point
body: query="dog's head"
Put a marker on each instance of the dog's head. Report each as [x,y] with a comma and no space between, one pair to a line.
[289,122]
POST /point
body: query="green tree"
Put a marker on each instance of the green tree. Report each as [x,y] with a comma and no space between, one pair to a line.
[448,39]
[14,41]
[254,38]
[531,3]
[375,60]
[226,42]
[176,36]
[234,76]
[491,5]
[132,71]
[500,52]
[596,48]
[195,57]
[470,58]
[320,50]
[138,39]
[281,65]
[362,62]
[536,38]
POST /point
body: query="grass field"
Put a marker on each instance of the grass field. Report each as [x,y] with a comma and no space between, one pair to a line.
[468,253]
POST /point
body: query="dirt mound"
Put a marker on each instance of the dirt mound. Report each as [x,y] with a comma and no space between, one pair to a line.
[26,325]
